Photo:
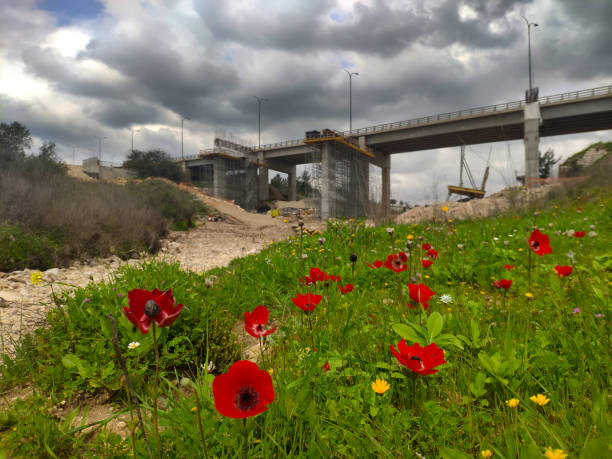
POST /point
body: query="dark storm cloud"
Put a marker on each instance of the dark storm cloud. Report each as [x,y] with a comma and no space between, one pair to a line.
[119,114]
[378,29]
[20,26]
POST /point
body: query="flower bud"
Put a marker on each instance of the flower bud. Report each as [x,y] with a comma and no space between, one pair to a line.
[353,257]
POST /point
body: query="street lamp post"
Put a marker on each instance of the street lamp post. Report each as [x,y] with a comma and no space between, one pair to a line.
[137,130]
[529,24]
[182,120]
[350,75]
[259,101]
[99,146]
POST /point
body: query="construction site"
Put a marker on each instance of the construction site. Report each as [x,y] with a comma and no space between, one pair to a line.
[342,182]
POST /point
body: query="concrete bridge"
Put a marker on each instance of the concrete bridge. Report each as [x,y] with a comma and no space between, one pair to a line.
[567,113]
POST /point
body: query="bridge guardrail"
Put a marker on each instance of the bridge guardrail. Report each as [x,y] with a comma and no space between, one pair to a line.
[508,106]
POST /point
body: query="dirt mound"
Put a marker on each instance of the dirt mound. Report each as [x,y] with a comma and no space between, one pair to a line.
[76,171]
[477,208]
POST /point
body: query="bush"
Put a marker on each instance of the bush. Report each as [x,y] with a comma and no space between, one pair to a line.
[154,163]
[20,248]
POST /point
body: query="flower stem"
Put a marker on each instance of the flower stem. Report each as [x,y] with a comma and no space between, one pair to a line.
[197,396]
[156,392]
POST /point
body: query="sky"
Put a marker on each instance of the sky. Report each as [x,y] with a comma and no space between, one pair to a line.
[90,74]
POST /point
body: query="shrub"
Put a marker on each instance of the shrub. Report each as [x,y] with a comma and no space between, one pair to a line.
[154,163]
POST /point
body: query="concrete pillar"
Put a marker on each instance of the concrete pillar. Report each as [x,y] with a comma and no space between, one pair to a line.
[263,178]
[292,184]
[531,132]
[328,181]
[251,185]
[363,180]
[386,187]
[219,178]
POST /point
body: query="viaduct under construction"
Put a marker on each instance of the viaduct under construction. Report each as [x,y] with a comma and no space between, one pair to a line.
[343,163]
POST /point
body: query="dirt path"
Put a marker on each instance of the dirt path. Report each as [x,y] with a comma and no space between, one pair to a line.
[24,306]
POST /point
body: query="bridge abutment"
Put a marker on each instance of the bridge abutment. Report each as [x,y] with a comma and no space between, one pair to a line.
[263,178]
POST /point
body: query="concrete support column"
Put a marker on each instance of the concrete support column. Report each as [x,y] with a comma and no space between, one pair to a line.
[386,187]
[219,178]
[531,129]
[292,179]
[263,178]
[363,180]
[328,181]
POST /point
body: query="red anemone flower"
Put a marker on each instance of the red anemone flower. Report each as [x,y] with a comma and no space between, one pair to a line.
[579,233]
[397,262]
[317,274]
[307,302]
[508,267]
[539,243]
[377,264]
[503,283]
[563,271]
[426,263]
[426,246]
[254,322]
[146,307]
[420,294]
[419,359]
[325,367]
[348,288]
[432,253]
[243,391]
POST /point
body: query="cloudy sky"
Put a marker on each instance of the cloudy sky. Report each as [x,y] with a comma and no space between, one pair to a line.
[76,70]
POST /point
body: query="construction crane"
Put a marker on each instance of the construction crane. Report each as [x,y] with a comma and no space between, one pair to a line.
[473,192]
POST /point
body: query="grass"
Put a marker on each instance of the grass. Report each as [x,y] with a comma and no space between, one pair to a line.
[49,220]
[497,347]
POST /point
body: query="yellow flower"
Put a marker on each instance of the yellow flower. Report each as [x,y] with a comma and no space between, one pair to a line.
[529,295]
[539,399]
[352,235]
[486,453]
[36,277]
[321,250]
[444,209]
[426,276]
[270,371]
[410,237]
[194,409]
[513,402]
[554,453]
[284,220]
[380,386]
[450,220]
[520,249]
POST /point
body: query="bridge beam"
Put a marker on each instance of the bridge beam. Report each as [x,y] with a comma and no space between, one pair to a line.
[532,119]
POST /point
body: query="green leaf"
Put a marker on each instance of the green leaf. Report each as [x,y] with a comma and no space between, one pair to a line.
[451,453]
[71,361]
[434,325]
[450,339]
[408,333]
[475,331]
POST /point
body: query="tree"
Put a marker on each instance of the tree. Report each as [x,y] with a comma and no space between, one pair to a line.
[546,162]
[154,163]
[15,138]
[303,184]
[281,184]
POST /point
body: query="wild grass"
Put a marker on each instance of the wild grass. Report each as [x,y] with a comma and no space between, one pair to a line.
[71,219]
[549,337]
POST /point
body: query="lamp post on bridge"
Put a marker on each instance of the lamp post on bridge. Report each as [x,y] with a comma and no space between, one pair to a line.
[137,130]
[182,120]
[99,146]
[530,94]
[350,75]
[259,101]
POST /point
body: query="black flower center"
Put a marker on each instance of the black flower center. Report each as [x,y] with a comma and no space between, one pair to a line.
[535,245]
[151,308]
[246,398]
[259,327]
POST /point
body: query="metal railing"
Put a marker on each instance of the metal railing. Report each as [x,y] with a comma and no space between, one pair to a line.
[478,111]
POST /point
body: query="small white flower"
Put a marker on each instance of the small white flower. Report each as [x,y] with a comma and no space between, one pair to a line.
[210,368]
[550,225]
[570,232]
[133,345]
[460,246]
[446,299]
[496,239]
[570,255]
[592,234]
[506,242]
[390,231]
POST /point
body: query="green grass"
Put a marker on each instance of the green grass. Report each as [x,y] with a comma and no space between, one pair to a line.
[496,348]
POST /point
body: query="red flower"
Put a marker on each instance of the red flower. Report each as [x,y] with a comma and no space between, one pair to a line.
[563,271]
[397,262]
[254,322]
[325,367]
[377,264]
[419,359]
[307,302]
[348,288]
[539,243]
[426,246]
[317,274]
[503,283]
[579,233]
[432,253]
[420,294]
[426,263]
[243,391]
[508,267]
[146,307]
